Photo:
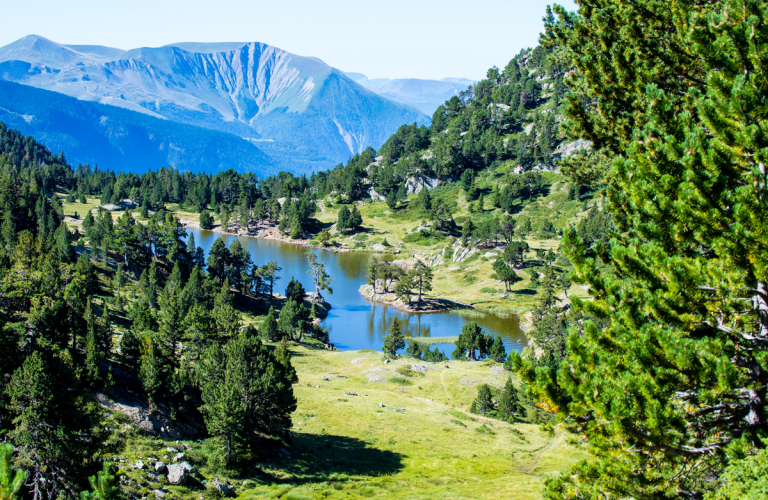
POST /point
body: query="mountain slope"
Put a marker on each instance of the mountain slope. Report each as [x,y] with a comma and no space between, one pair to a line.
[254,90]
[120,139]
[426,95]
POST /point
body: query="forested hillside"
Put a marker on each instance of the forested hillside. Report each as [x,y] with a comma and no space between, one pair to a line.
[608,184]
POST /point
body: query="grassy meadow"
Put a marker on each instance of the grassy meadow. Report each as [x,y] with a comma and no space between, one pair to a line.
[349,446]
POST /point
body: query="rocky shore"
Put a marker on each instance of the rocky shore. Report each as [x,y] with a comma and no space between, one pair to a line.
[427,305]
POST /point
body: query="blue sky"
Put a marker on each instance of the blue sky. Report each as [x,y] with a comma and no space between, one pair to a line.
[383,39]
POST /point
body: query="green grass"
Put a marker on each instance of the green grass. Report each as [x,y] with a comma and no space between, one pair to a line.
[351,447]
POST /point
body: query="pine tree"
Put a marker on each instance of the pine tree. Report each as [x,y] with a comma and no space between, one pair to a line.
[321,278]
[10,481]
[92,350]
[674,104]
[483,403]
[421,277]
[150,371]
[413,350]
[497,352]
[394,340]
[102,485]
[509,403]
[342,224]
[283,356]
[269,330]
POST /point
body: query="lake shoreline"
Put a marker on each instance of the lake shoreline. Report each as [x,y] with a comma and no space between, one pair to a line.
[270,232]
[428,304]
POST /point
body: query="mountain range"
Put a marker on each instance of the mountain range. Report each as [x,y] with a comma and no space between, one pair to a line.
[300,112]
[426,95]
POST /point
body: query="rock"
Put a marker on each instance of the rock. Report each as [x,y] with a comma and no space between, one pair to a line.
[375,196]
[177,474]
[351,394]
[399,410]
[186,446]
[138,465]
[159,493]
[381,405]
[171,449]
[414,185]
[178,457]
[372,377]
[153,477]
[387,361]
[326,378]
[569,148]
[378,247]
[159,467]
[497,369]
[490,254]
[420,368]
[223,488]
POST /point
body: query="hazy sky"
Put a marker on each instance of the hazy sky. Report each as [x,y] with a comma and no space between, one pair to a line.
[381,38]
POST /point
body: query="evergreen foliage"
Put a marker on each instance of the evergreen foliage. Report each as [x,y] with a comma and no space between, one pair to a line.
[394,340]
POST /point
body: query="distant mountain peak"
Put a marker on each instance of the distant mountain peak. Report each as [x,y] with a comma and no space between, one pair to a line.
[304,112]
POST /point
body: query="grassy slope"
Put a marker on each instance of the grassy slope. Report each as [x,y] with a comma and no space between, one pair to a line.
[350,447]
[462,282]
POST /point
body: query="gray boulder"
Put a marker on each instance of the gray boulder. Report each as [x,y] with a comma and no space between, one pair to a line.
[223,488]
[177,474]
[159,466]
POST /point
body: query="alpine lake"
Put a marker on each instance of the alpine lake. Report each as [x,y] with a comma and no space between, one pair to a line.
[355,323]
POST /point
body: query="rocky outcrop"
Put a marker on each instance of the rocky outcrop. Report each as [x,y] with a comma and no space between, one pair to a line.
[322,306]
[160,422]
[414,185]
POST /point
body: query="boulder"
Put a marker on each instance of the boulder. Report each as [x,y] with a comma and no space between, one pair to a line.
[414,185]
[138,465]
[178,457]
[223,488]
[159,493]
[177,473]
[159,467]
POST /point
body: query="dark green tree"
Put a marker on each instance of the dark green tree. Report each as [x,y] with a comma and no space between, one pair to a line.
[394,339]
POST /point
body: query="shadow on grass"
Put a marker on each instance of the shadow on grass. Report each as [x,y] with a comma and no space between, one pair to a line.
[318,456]
[525,291]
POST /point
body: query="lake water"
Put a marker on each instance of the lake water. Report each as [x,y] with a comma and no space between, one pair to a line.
[355,323]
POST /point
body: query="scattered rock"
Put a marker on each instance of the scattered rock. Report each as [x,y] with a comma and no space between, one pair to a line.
[399,410]
[420,368]
[222,488]
[387,361]
[378,247]
[357,360]
[351,394]
[171,449]
[160,467]
[497,369]
[153,477]
[178,457]
[326,378]
[178,473]
[372,377]
[138,465]
[159,493]
[381,405]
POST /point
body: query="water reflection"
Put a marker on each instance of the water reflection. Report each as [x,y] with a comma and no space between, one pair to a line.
[355,323]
